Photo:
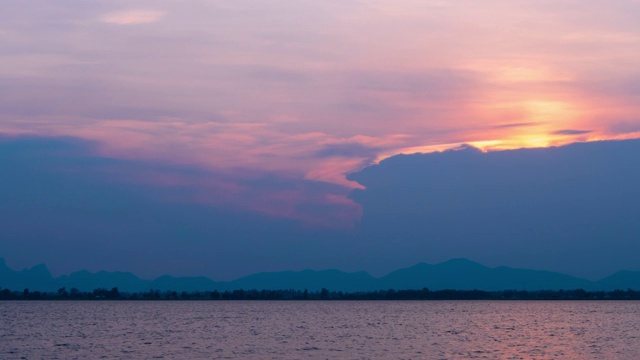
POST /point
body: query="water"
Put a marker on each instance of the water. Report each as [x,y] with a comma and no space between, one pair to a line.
[320,330]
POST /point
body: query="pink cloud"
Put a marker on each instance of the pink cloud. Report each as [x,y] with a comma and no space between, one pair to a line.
[133,17]
[324,92]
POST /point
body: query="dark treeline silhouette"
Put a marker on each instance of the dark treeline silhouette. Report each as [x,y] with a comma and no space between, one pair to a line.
[324,294]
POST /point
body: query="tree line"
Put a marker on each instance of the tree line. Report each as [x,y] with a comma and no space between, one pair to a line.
[324,294]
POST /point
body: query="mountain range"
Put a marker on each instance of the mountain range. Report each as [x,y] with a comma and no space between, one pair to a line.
[458,274]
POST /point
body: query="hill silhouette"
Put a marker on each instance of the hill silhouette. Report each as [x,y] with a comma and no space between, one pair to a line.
[457,274]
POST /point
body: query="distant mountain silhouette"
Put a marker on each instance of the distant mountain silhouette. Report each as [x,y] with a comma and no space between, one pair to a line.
[308,279]
[167,282]
[38,277]
[463,274]
[85,280]
[621,280]
[458,274]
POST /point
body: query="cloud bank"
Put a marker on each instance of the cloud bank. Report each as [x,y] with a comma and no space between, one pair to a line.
[64,203]
[572,208]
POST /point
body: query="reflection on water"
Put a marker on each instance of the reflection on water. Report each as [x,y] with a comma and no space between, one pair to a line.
[320,330]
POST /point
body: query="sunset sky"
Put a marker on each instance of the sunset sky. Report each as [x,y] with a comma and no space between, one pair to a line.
[263,107]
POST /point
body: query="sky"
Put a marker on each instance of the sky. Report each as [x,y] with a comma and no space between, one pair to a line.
[228,130]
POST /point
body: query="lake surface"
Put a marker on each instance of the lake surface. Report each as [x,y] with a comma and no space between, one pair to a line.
[320,330]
